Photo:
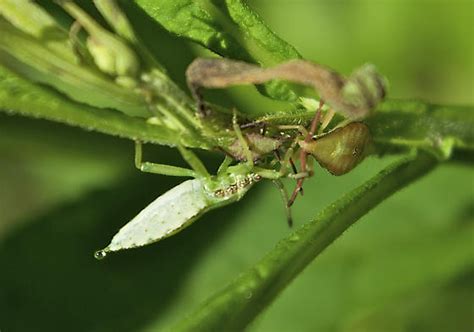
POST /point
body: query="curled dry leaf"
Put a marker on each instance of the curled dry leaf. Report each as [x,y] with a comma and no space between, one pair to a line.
[353,97]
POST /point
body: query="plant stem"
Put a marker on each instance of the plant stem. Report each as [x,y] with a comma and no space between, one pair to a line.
[235,306]
[417,125]
[397,125]
[401,125]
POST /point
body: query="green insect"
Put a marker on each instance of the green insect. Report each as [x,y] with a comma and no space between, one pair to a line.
[114,63]
[183,204]
[353,97]
[339,150]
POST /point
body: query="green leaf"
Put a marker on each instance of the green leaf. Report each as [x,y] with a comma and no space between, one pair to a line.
[229,28]
[51,60]
[18,96]
[104,72]
[28,17]
[235,306]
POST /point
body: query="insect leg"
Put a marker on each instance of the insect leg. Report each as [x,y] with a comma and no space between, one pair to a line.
[292,164]
[304,154]
[293,167]
[315,122]
[253,124]
[277,155]
[193,161]
[288,159]
[149,167]
[225,165]
[284,197]
[295,173]
[243,142]
[299,183]
[326,119]
[301,129]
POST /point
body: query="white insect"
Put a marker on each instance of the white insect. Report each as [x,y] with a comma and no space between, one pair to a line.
[178,208]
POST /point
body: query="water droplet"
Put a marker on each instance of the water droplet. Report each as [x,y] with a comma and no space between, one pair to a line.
[100,254]
[248,295]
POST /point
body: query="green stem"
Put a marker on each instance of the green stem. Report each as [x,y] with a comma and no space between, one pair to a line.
[406,124]
[394,126]
[234,307]
[32,59]
[437,129]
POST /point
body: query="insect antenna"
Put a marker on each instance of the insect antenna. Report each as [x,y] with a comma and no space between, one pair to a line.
[246,149]
[253,124]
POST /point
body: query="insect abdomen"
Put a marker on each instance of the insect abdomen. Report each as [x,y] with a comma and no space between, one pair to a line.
[342,149]
[163,217]
[177,209]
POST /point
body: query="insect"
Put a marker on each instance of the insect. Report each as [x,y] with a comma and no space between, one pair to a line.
[342,149]
[354,97]
[183,204]
[116,62]
[180,206]
[338,150]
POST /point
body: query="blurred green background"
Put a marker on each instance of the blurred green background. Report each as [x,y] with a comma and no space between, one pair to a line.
[406,266]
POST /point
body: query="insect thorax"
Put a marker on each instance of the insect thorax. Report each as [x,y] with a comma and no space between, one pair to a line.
[233,186]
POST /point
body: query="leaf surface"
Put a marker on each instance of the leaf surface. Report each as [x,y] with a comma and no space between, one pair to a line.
[229,28]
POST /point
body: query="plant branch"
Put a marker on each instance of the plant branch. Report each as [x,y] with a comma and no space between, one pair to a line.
[400,125]
[235,306]
[438,129]
[396,124]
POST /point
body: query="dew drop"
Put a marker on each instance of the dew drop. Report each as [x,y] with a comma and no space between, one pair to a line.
[100,254]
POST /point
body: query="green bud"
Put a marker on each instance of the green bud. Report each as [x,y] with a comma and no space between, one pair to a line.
[126,82]
[103,56]
[116,18]
[109,52]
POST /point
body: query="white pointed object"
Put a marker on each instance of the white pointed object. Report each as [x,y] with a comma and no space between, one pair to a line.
[178,208]
[162,217]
